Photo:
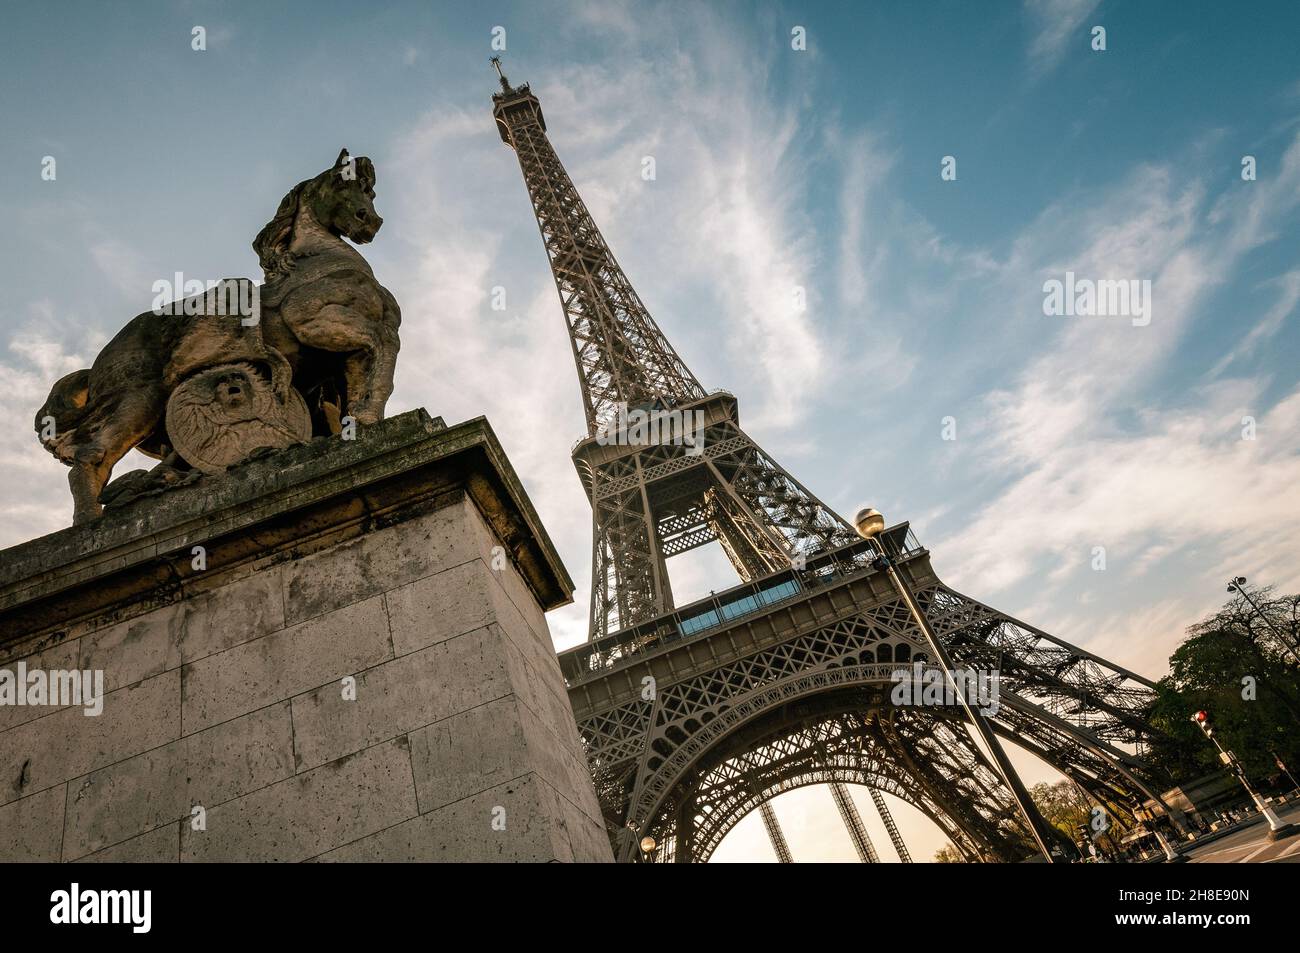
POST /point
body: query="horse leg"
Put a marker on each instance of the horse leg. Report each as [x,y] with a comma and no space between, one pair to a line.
[86,481]
[369,376]
[123,426]
[369,371]
[369,349]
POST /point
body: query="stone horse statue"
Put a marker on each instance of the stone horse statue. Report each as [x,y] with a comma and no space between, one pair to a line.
[201,389]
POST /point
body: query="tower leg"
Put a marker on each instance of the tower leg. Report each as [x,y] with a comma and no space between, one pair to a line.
[883,809]
[853,821]
[779,845]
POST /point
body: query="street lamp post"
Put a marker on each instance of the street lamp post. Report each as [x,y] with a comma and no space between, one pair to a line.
[869,524]
[1238,584]
[1277,830]
[1281,766]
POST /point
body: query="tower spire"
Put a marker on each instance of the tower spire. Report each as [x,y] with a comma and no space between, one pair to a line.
[665,465]
[623,358]
[496,63]
[783,680]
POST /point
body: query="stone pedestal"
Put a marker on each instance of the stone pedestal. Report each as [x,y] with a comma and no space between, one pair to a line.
[362,671]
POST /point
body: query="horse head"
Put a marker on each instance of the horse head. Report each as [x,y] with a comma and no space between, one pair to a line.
[341,199]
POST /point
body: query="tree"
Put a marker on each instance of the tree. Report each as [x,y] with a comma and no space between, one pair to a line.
[1233,666]
[947,854]
[1067,808]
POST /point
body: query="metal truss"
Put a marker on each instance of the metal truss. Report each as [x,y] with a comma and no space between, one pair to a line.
[786,679]
[1075,711]
[887,816]
[853,824]
[774,834]
[654,502]
[622,356]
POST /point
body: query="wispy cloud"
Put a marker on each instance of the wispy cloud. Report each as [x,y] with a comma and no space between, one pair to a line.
[1288,296]
[38,500]
[718,238]
[1102,458]
[1055,23]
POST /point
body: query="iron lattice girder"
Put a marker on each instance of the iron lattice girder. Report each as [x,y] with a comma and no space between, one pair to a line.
[621,355]
[820,629]
[829,639]
[642,497]
[763,516]
[888,818]
[775,835]
[853,824]
[842,747]
[723,488]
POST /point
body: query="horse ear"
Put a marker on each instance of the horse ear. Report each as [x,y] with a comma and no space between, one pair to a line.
[342,159]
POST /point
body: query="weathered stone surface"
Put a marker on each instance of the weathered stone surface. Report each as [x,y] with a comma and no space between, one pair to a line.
[588,839]
[472,751]
[446,604]
[30,828]
[211,383]
[217,417]
[311,813]
[163,785]
[68,744]
[293,660]
[463,832]
[134,650]
[324,561]
[135,557]
[374,564]
[62,655]
[399,696]
[489,548]
[159,846]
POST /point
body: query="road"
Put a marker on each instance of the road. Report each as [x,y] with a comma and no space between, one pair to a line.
[1251,845]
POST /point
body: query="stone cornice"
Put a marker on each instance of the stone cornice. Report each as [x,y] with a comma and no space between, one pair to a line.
[283,504]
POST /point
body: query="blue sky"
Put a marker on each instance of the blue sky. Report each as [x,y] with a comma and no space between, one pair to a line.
[775,168]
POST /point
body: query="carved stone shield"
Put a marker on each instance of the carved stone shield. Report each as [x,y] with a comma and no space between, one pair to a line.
[219,416]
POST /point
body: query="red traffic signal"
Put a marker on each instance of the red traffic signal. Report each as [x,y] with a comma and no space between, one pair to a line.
[1202,719]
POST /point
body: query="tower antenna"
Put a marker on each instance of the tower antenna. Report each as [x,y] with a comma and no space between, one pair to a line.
[496,63]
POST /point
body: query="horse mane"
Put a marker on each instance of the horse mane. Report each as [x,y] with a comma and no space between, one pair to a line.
[272,242]
[365,172]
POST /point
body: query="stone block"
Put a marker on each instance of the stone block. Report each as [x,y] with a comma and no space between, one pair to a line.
[285,663]
[162,786]
[135,649]
[463,832]
[68,744]
[159,846]
[231,614]
[399,696]
[61,656]
[310,813]
[441,606]
[30,828]
[382,560]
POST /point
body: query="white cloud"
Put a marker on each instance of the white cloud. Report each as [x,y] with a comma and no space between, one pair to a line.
[1101,458]
[38,500]
[124,268]
[717,239]
[1055,23]
[1288,297]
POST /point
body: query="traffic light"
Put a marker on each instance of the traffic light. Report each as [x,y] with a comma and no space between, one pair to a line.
[1202,719]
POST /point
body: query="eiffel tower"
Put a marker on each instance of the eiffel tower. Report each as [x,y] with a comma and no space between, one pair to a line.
[693,716]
